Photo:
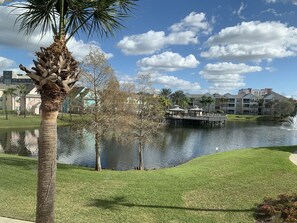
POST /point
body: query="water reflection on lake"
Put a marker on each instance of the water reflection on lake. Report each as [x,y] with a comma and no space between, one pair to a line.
[175,145]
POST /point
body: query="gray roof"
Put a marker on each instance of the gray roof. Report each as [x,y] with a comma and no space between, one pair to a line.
[176,108]
[196,108]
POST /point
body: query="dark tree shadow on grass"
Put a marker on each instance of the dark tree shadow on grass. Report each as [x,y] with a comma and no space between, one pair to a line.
[31,163]
[117,202]
[25,164]
[289,149]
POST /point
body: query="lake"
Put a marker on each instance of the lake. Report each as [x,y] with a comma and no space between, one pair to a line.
[175,145]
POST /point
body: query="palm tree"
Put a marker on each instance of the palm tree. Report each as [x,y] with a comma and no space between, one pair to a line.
[203,101]
[179,98]
[164,98]
[222,103]
[209,101]
[206,101]
[8,92]
[56,71]
[23,92]
[165,102]
[166,92]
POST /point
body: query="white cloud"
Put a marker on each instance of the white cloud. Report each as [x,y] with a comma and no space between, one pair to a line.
[145,43]
[80,49]
[253,41]
[294,2]
[166,81]
[5,64]
[182,33]
[151,42]
[226,77]
[11,37]
[194,21]
[167,61]
[239,11]
[181,38]
[272,11]
[174,83]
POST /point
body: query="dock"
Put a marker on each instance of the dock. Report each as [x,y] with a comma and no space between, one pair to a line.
[205,119]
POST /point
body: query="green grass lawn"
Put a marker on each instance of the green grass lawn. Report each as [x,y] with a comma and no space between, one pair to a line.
[16,122]
[222,187]
[231,117]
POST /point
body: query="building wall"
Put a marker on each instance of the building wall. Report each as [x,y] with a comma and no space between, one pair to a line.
[33,102]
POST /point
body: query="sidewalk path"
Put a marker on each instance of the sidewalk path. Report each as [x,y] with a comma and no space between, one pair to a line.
[293,157]
[9,220]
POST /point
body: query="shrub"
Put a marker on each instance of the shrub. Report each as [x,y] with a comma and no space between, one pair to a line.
[281,209]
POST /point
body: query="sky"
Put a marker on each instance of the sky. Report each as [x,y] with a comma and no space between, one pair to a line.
[198,46]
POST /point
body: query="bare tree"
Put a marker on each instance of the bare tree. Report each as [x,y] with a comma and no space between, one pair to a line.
[147,117]
[97,75]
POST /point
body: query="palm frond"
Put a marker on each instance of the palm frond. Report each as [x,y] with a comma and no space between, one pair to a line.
[103,17]
[91,17]
[35,14]
[126,5]
[78,14]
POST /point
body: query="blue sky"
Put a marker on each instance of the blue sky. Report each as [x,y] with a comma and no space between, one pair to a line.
[197,46]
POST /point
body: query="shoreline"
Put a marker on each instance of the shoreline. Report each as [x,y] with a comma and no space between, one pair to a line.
[33,121]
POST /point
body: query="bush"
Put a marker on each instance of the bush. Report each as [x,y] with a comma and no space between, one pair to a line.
[282,209]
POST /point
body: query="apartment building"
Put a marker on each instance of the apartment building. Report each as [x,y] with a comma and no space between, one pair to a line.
[247,102]
[13,78]
[15,102]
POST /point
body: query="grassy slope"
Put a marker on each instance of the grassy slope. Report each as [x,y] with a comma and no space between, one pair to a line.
[257,118]
[15,122]
[217,188]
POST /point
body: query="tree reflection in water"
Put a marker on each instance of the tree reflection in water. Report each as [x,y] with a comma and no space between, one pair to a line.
[23,143]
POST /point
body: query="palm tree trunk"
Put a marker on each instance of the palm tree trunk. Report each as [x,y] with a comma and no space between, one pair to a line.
[47,167]
[140,156]
[97,148]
